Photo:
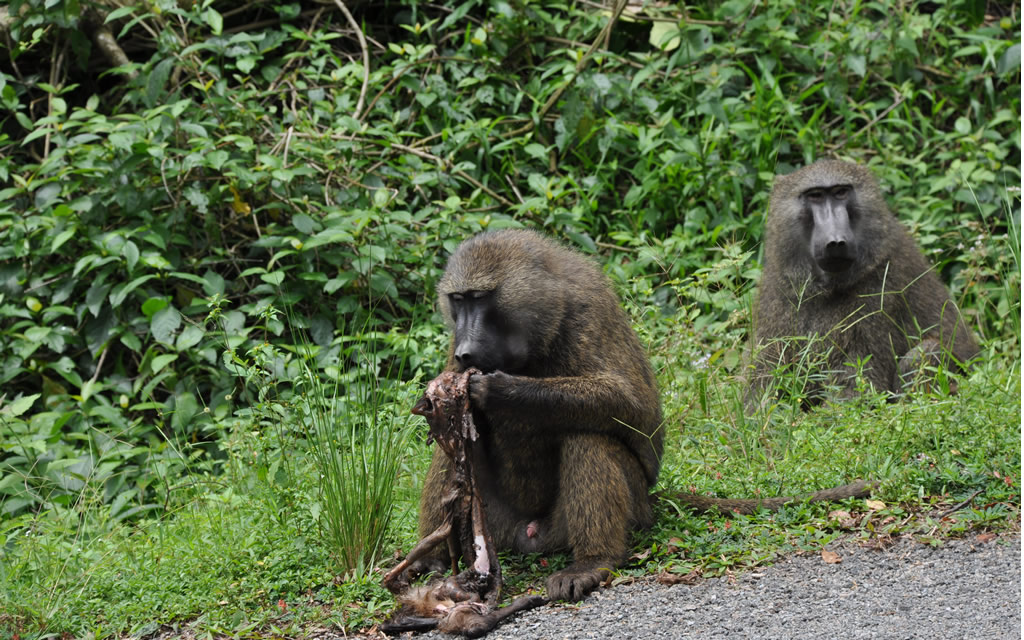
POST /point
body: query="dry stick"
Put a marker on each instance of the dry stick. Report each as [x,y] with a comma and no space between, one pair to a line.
[287,143]
[961,505]
[580,65]
[99,366]
[366,57]
[163,178]
[512,184]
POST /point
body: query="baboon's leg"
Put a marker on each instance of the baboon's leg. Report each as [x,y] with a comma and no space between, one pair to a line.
[602,495]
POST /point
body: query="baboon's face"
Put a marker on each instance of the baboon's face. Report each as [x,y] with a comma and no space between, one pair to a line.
[829,216]
[486,337]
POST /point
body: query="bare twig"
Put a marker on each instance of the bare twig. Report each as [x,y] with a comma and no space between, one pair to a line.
[366,57]
[512,184]
[961,505]
[99,365]
[616,247]
[163,178]
[287,143]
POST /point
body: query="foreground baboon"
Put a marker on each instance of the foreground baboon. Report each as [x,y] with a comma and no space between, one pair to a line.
[843,275]
[567,407]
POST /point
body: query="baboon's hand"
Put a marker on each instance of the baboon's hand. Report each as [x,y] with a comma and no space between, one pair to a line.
[484,388]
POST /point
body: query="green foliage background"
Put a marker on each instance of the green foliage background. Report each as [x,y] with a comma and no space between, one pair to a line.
[157,218]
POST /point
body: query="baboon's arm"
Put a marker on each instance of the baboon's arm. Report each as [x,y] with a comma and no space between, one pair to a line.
[603,402]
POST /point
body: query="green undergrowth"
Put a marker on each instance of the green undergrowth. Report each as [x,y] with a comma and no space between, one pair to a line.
[249,563]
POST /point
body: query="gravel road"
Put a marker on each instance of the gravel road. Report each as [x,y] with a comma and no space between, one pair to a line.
[963,589]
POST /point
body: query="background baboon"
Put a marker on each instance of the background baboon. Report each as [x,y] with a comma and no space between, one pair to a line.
[567,405]
[840,270]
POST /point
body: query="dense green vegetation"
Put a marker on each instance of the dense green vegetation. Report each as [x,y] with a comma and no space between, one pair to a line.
[211,255]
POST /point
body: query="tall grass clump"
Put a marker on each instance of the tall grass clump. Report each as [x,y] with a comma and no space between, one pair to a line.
[358,437]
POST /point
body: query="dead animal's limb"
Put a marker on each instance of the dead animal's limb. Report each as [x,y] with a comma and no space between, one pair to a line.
[396,580]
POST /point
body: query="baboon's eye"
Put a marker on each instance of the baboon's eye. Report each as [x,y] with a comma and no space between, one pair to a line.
[841,192]
[815,195]
[476,295]
[456,297]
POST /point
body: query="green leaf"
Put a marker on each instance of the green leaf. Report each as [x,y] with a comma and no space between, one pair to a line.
[536,151]
[304,223]
[46,194]
[98,330]
[157,79]
[119,294]
[215,20]
[189,337]
[95,296]
[90,387]
[130,252]
[246,64]
[131,341]
[857,64]
[664,35]
[118,13]
[216,159]
[151,306]
[37,334]
[275,278]
[159,362]
[19,406]
[164,324]
[61,238]
[191,277]
[1009,61]
[329,237]
[185,408]
[213,283]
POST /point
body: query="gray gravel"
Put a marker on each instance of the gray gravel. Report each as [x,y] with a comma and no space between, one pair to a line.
[964,589]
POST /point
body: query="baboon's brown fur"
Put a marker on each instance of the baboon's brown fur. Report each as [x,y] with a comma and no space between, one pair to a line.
[570,433]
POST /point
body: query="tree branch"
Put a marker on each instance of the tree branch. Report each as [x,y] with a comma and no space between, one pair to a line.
[366,57]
